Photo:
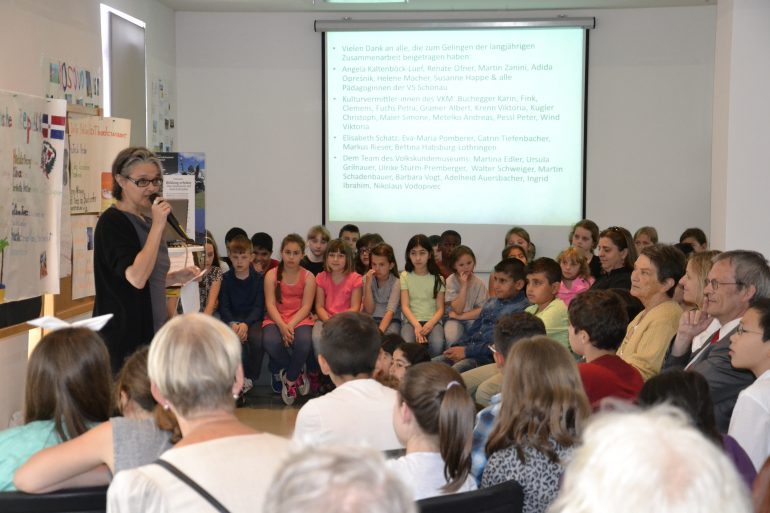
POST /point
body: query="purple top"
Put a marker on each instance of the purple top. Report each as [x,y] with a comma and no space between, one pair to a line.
[740,459]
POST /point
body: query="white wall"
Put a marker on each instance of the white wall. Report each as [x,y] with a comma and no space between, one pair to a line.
[69,30]
[250,97]
[741,130]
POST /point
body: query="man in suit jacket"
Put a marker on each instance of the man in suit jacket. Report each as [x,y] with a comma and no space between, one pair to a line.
[736,278]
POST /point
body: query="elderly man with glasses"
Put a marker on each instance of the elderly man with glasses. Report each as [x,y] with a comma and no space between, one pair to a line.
[703,339]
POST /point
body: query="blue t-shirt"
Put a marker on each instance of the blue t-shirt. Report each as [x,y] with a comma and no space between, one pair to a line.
[18,444]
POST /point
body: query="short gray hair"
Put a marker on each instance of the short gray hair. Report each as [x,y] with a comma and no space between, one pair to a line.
[127,159]
[335,479]
[750,268]
[651,460]
[193,361]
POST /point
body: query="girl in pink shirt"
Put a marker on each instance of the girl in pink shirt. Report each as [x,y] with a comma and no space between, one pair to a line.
[286,330]
[575,274]
[339,287]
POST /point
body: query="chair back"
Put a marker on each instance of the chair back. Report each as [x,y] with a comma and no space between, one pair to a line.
[507,497]
[76,500]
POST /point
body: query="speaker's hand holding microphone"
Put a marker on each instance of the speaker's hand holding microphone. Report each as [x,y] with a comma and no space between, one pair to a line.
[161,213]
[159,209]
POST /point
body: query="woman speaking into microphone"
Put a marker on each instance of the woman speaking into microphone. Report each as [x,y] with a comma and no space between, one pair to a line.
[131,264]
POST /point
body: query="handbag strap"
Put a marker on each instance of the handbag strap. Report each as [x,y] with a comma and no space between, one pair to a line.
[192,484]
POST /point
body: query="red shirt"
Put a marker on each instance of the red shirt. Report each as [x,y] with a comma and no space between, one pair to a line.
[610,376]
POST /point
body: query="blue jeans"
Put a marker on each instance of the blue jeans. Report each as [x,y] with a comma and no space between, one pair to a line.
[435,337]
[290,358]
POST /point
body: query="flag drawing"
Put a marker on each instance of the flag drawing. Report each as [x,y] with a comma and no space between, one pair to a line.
[53,127]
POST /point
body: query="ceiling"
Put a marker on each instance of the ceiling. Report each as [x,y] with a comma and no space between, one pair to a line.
[417,5]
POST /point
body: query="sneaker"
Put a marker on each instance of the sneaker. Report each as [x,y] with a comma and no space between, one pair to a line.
[288,390]
[303,383]
[247,385]
[275,383]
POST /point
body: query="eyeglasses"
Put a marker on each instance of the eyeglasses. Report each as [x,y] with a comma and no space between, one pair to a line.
[144,182]
[365,251]
[715,283]
[740,330]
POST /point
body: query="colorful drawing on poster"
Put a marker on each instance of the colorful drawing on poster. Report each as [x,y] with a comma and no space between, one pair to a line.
[77,85]
[83,256]
[31,167]
[94,144]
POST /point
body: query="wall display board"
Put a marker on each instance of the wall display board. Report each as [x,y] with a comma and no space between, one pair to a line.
[32,133]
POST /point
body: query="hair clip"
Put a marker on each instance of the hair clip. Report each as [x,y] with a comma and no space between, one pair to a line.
[52,323]
[452,384]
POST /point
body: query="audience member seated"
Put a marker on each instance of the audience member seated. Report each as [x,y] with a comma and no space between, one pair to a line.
[473,349]
[656,273]
[695,238]
[617,255]
[750,349]
[262,251]
[541,414]
[693,281]
[655,460]
[405,355]
[584,237]
[242,306]
[644,237]
[382,289]
[210,283]
[339,288]
[575,274]
[390,343]
[337,479]
[196,372]
[287,328]
[229,236]
[690,392]
[317,239]
[349,234]
[67,392]
[359,409]
[736,278]
[597,322]
[508,330]
[447,243]
[433,420]
[543,282]
[364,247]
[465,294]
[137,438]
[422,296]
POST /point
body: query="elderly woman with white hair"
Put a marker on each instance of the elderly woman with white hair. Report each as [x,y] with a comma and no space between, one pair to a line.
[195,370]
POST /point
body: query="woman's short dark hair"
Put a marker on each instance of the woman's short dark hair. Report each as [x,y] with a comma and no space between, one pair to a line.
[669,261]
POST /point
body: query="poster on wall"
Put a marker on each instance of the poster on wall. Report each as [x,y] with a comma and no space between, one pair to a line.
[65,237]
[184,185]
[162,123]
[31,162]
[75,84]
[94,143]
[83,227]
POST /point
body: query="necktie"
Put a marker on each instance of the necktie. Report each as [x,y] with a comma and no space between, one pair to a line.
[714,338]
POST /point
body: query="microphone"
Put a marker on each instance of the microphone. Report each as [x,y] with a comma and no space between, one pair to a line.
[173,221]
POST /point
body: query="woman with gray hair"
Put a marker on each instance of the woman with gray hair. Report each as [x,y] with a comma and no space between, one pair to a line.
[195,370]
[131,264]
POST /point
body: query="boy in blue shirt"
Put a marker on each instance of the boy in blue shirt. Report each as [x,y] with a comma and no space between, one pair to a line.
[508,282]
[242,306]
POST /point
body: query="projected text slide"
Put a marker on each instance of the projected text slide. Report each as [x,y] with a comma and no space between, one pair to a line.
[487,124]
